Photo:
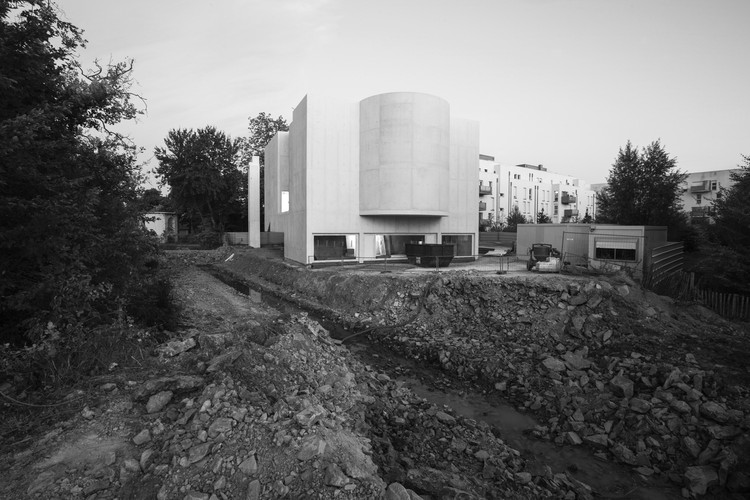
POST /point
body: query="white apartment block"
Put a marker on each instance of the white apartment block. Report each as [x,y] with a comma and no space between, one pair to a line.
[700,189]
[532,189]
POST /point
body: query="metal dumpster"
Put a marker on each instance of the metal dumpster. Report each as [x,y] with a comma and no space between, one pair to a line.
[430,254]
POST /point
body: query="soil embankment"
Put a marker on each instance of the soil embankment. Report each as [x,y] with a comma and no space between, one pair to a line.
[599,362]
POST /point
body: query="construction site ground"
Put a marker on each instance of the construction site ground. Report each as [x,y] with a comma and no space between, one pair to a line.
[285,381]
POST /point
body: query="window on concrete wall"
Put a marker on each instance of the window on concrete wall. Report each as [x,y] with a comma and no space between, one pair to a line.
[616,250]
[713,185]
[335,246]
[698,199]
[463,243]
[395,244]
[285,201]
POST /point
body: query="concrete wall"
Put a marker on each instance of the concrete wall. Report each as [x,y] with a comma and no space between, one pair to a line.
[318,163]
[164,224]
[403,157]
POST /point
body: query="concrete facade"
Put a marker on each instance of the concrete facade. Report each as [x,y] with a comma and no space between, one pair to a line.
[532,189]
[358,180]
[701,189]
[164,224]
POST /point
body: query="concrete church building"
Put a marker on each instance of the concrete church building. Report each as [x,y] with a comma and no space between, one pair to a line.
[360,180]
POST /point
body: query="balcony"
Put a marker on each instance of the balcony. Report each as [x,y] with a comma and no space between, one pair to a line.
[482,206]
[701,187]
[484,189]
[701,212]
[567,199]
[570,213]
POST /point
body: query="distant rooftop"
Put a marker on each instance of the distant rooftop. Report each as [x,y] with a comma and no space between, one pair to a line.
[533,167]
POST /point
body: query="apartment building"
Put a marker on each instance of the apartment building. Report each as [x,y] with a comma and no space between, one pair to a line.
[533,189]
[488,194]
[701,189]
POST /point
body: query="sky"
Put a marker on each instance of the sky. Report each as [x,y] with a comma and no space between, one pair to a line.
[563,83]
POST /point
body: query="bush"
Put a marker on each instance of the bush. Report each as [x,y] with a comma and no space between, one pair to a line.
[209,239]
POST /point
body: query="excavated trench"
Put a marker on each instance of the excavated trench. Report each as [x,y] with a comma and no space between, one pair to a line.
[607,479]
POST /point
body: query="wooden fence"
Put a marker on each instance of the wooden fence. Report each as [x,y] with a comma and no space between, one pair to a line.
[685,286]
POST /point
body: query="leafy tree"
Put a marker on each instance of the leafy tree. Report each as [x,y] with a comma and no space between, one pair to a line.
[514,219]
[71,243]
[587,219]
[642,189]
[723,262]
[542,218]
[203,169]
[262,128]
[732,210]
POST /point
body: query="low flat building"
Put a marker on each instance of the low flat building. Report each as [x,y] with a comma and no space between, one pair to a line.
[358,181]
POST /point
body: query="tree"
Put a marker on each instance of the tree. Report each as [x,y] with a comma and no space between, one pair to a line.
[587,219]
[642,189]
[71,243]
[732,210]
[262,128]
[542,218]
[514,219]
[203,169]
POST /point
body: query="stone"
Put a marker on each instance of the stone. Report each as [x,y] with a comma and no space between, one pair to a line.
[311,446]
[622,386]
[310,415]
[576,361]
[396,491]
[158,401]
[523,477]
[219,426]
[640,405]
[714,411]
[147,457]
[335,476]
[577,300]
[176,347]
[554,364]
[713,447]
[699,478]
[178,384]
[623,454]
[573,438]
[445,418]
[142,437]
[249,466]
[196,495]
[691,446]
[723,431]
[198,452]
[482,455]
[597,440]
[680,406]
[253,490]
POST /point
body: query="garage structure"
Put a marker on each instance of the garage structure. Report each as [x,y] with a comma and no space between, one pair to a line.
[597,246]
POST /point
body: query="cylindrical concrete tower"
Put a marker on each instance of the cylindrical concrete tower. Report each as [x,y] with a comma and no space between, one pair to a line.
[404,155]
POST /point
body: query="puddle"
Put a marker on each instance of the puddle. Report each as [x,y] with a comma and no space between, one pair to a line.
[608,479]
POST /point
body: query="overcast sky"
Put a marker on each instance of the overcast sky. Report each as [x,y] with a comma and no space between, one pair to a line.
[564,83]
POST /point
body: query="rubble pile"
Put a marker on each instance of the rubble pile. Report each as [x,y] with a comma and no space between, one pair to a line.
[591,358]
[603,363]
